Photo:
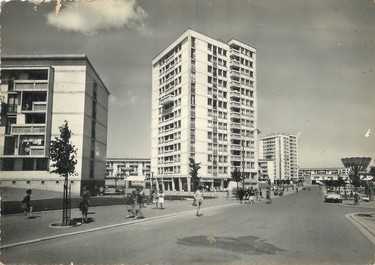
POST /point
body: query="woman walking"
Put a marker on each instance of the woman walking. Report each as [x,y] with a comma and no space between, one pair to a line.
[26,204]
[161,199]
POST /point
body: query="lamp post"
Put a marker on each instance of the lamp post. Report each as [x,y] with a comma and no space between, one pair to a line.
[243,154]
[152,179]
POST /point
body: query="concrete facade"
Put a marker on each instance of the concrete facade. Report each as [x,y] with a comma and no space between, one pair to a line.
[203,107]
[319,175]
[128,171]
[283,150]
[38,94]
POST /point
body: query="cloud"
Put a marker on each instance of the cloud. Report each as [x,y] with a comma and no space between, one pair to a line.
[89,17]
[130,99]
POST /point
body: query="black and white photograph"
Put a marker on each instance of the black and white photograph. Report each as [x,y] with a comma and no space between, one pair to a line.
[187,132]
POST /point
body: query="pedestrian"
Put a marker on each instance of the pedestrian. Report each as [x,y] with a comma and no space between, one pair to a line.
[297,189]
[144,199]
[260,194]
[268,196]
[129,203]
[252,196]
[241,194]
[138,203]
[198,196]
[84,204]
[247,195]
[256,194]
[161,199]
[25,204]
[227,193]
[155,199]
[101,190]
[356,198]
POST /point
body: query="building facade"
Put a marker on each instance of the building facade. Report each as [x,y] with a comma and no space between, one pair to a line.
[267,170]
[283,150]
[204,107]
[38,94]
[128,172]
[314,176]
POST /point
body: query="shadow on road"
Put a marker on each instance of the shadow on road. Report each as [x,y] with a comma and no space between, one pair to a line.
[249,245]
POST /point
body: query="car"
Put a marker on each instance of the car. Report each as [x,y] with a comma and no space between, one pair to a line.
[365,198]
[333,197]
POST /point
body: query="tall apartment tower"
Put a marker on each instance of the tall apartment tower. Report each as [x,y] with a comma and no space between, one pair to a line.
[283,150]
[204,107]
[38,93]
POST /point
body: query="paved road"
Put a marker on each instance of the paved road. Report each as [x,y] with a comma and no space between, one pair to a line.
[295,229]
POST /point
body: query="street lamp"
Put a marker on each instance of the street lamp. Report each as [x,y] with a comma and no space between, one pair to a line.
[243,154]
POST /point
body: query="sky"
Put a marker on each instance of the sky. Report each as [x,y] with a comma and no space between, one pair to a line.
[315,62]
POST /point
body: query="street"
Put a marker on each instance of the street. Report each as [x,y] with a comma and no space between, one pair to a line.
[294,229]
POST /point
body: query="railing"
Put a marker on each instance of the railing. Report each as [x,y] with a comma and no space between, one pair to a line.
[166,99]
[37,150]
[30,85]
[27,128]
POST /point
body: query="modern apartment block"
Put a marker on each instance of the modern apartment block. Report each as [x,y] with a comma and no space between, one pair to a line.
[283,150]
[319,175]
[204,107]
[267,170]
[129,171]
[38,93]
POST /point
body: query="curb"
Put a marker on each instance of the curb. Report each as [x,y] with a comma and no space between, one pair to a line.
[361,226]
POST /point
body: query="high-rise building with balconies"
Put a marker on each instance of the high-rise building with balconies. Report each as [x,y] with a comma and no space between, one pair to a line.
[283,150]
[204,107]
[38,93]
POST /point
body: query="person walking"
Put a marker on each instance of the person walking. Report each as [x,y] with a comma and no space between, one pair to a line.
[252,196]
[198,196]
[268,196]
[25,204]
[138,203]
[84,204]
[161,199]
[241,194]
[227,193]
[260,194]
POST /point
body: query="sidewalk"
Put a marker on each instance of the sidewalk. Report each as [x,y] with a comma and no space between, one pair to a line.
[19,231]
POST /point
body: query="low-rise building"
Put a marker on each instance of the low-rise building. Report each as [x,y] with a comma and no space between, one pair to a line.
[38,93]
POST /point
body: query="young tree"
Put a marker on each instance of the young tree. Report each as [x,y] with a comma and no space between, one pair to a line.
[62,153]
[195,179]
[236,176]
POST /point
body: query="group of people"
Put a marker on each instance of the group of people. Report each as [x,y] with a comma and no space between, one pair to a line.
[250,195]
[157,198]
[136,200]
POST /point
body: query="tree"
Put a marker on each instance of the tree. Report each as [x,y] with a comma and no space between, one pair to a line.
[63,154]
[236,176]
[195,179]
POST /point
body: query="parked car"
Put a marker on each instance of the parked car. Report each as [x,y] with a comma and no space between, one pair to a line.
[333,197]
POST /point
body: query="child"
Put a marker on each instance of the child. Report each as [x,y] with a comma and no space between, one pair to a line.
[26,204]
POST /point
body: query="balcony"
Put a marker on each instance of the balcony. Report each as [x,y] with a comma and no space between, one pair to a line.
[236,158]
[235,84]
[235,104]
[236,147]
[166,99]
[235,125]
[35,106]
[22,85]
[37,150]
[236,136]
[235,94]
[235,73]
[28,129]
[234,52]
